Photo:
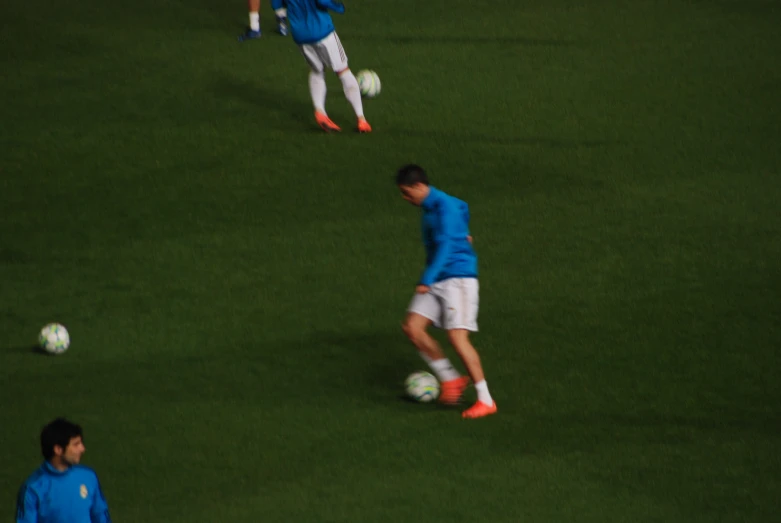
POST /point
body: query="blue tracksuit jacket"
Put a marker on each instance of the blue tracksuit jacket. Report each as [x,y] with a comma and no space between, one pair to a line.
[445,229]
[72,496]
[309,20]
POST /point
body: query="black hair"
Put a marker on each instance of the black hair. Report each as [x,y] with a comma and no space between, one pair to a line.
[411,174]
[58,432]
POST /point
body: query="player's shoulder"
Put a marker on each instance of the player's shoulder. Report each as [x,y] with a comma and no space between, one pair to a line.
[452,203]
[36,481]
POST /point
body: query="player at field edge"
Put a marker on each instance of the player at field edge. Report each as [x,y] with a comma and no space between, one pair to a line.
[61,490]
[447,294]
[253,30]
[313,30]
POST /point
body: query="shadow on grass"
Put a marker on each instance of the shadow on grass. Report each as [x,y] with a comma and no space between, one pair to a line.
[296,113]
[29,349]
[463,40]
[380,361]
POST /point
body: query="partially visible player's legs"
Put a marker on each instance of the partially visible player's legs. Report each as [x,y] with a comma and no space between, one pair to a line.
[281,14]
[461,299]
[253,31]
[337,59]
[414,327]
[459,339]
[317,87]
[353,94]
[254,15]
[452,383]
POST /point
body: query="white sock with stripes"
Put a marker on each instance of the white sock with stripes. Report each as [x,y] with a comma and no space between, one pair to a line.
[352,91]
[443,369]
[317,89]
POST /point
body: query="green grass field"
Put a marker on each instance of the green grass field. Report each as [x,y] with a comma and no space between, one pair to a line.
[234,280]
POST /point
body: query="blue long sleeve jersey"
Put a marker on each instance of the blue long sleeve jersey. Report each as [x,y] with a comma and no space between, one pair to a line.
[309,20]
[449,254]
[71,496]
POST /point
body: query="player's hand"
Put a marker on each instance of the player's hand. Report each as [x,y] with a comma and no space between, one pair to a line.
[469,239]
[422,289]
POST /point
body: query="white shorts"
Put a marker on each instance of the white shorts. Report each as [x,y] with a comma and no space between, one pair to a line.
[450,304]
[328,52]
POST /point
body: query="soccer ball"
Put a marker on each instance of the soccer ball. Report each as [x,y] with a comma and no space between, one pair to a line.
[422,386]
[369,83]
[54,338]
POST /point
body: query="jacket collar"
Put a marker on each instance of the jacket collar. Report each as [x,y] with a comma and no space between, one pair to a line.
[434,196]
[51,470]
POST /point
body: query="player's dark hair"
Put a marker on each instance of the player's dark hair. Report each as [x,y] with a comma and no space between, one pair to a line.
[411,174]
[58,432]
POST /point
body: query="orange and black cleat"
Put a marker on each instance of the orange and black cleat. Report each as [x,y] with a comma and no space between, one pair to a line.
[479,410]
[326,123]
[451,390]
[363,125]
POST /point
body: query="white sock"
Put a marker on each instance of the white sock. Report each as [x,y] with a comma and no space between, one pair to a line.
[254,21]
[317,89]
[483,394]
[281,12]
[352,91]
[443,369]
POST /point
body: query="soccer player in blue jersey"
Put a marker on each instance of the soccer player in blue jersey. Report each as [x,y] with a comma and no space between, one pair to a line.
[313,31]
[61,490]
[447,294]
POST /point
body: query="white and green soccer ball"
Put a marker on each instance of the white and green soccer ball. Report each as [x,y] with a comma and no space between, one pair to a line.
[422,386]
[369,83]
[54,338]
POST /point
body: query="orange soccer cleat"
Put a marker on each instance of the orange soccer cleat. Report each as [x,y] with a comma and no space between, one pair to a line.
[326,123]
[451,390]
[363,125]
[478,410]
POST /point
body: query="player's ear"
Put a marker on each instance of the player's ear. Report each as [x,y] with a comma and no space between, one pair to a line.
[58,450]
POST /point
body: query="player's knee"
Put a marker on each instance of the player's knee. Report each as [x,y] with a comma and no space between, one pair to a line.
[407,329]
[412,331]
